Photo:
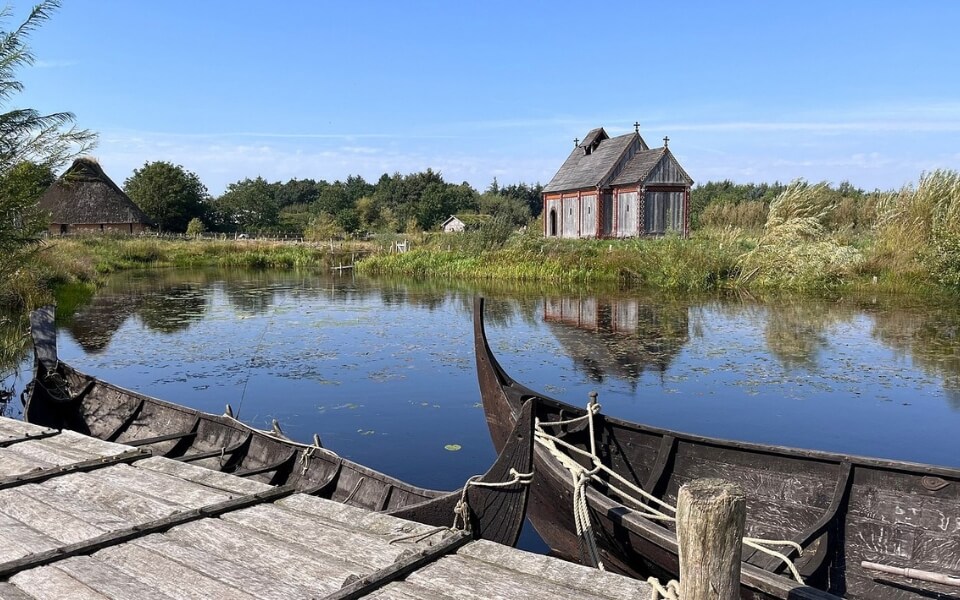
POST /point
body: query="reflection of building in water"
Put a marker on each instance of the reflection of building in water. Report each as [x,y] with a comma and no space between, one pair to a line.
[620,337]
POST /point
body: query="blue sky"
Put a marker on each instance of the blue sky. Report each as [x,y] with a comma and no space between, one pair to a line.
[749,91]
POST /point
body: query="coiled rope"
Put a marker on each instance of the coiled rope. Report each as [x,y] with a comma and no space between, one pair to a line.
[654,509]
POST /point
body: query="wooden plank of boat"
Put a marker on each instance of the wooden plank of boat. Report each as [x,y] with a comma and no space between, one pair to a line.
[226,570]
[843,509]
[63,398]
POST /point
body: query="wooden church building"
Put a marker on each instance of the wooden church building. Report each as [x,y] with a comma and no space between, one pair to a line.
[85,200]
[616,188]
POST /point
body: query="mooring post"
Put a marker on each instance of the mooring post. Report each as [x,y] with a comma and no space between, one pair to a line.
[710,521]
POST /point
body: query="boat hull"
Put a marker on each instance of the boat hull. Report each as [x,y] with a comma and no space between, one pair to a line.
[842,509]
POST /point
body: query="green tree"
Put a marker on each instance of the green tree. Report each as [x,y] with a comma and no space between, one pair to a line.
[248,205]
[195,227]
[22,222]
[43,142]
[168,193]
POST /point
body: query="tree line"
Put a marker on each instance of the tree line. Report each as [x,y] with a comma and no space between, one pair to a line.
[178,201]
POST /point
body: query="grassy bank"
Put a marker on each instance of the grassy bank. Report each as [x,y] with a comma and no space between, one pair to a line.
[694,264]
[73,267]
[809,240]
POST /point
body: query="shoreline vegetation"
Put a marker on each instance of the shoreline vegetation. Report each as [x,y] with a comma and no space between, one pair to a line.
[812,240]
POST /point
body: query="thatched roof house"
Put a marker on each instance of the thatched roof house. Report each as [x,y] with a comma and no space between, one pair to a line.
[84,199]
[617,187]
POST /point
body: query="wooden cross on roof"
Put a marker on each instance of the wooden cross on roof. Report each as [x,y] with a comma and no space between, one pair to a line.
[576,142]
[666,141]
[636,126]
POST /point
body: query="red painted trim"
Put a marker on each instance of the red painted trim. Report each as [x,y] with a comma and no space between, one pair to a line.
[641,210]
[579,212]
[616,211]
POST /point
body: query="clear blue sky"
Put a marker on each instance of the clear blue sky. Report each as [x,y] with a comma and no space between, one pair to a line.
[865,91]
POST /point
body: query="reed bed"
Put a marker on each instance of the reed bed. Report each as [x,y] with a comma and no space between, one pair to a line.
[796,250]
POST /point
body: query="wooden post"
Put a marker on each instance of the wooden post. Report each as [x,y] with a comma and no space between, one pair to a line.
[710,522]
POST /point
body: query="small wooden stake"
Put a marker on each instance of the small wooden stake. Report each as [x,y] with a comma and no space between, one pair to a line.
[710,521]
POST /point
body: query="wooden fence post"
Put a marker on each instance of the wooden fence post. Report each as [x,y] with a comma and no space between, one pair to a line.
[710,522]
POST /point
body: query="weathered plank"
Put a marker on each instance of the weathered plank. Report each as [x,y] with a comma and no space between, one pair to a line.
[401,590]
[351,516]
[13,463]
[96,515]
[110,581]
[160,486]
[50,583]
[18,540]
[223,569]
[573,576]
[154,570]
[399,569]
[365,549]
[77,442]
[12,429]
[66,447]
[81,494]
[83,466]
[295,564]
[472,579]
[8,591]
[203,476]
[46,519]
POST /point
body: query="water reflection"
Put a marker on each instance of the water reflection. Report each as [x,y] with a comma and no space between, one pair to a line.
[342,355]
[618,337]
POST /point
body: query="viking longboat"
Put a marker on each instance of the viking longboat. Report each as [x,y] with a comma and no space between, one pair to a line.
[861,522]
[64,398]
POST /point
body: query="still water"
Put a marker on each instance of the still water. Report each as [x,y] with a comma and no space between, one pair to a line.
[384,370]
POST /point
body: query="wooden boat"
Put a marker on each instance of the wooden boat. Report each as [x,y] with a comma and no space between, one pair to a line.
[842,510]
[63,398]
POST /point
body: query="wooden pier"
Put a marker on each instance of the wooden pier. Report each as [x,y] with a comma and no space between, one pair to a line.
[88,519]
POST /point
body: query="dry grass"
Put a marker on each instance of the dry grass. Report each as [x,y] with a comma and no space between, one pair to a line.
[796,251]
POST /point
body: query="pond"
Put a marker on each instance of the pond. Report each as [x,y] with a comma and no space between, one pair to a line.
[384,370]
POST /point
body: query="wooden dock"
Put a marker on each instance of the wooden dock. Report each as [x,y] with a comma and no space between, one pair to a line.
[88,519]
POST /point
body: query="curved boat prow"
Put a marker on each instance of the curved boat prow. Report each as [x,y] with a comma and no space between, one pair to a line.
[497,501]
[44,334]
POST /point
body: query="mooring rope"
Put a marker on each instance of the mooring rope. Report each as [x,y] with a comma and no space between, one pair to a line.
[461,512]
[581,476]
[671,591]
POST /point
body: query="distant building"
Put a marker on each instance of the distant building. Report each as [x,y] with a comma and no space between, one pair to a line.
[85,200]
[615,188]
[458,223]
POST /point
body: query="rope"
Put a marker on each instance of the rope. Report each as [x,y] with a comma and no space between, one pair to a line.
[353,493]
[305,457]
[654,508]
[671,591]
[461,511]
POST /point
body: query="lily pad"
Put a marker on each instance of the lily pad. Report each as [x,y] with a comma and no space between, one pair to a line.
[452,447]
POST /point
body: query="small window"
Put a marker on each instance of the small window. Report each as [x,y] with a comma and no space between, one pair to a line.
[628,208]
[588,210]
[571,212]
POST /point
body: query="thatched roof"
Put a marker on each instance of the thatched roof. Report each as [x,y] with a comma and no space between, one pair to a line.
[85,195]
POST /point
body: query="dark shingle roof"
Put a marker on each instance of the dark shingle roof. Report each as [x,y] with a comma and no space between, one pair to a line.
[582,170]
[85,195]
[640,166]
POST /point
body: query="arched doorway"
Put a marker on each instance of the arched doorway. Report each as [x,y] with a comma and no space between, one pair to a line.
[553,222]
